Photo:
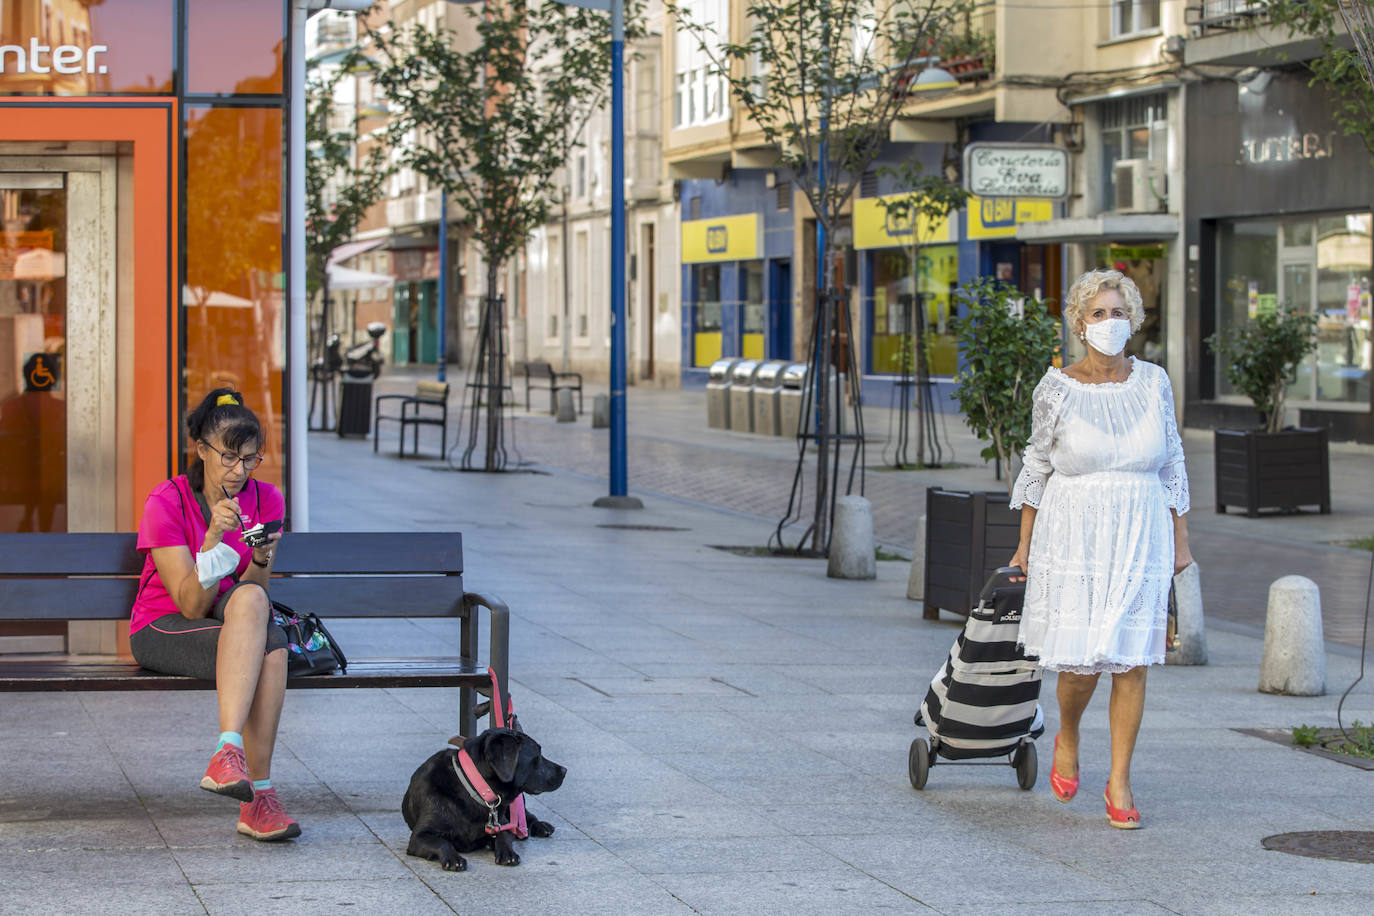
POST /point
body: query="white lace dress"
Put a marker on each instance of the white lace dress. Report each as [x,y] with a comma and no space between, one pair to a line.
[1103,468]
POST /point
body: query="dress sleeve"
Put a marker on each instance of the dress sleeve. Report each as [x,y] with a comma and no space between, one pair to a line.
[1035,460]
[1173,474]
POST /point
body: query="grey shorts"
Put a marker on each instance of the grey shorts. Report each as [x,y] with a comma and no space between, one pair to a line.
[173,644]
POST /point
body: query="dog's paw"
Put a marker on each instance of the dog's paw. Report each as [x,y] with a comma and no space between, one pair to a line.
[454,862]
[539,828]
[507,857]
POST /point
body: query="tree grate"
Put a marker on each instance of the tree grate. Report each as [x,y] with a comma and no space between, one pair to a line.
[1341,845]
[643,527]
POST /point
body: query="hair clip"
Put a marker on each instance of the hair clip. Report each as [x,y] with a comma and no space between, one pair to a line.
[227,399]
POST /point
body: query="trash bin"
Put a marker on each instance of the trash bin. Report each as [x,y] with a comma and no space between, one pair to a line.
[766,398]
[791,388]
[355,406]
[718,393]
[741,395]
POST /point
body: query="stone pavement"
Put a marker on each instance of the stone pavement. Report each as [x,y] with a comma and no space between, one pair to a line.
[673,453]
[736,731]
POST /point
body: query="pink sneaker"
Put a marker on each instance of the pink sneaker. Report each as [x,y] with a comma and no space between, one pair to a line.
[264,818]
[227,774]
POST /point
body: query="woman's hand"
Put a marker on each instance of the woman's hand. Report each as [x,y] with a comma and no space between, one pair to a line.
[224,517]
[264,553]
[1021,559]
[1183,557]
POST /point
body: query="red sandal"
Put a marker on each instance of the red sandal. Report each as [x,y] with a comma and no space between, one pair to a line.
[1121,818]
[1063,788]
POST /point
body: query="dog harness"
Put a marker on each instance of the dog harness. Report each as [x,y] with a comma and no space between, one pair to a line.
[477,787]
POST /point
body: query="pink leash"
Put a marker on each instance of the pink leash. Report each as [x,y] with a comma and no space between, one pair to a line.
[477,786]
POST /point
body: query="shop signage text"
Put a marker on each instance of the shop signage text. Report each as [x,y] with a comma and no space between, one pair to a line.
[38,58]
[1288,148]
[1016,170]
[725,238]
[997,217]
[877,224]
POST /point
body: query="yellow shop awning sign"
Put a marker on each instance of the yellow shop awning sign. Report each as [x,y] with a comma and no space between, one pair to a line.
[726,238]
[878,225]
[997,217]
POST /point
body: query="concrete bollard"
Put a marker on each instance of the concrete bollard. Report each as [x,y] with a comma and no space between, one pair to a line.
[1294,660]
[916,579]
[601,411]
[567,413]
[851,540]
[1192,632]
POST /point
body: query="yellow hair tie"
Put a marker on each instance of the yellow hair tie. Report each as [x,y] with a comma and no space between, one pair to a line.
[227,399]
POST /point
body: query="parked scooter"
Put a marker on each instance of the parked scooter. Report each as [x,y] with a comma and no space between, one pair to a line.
[365,359]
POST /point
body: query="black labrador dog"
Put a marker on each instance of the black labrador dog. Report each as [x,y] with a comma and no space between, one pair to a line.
[443,817]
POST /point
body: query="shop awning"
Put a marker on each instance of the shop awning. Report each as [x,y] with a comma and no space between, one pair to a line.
[353,249]
[344,278]
[1107,227]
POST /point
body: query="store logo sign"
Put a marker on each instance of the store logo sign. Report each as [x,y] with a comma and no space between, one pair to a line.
[717,240]
[1288,148]
[38,58]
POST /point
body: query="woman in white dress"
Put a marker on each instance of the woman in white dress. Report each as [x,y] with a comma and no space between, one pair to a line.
[1103,493]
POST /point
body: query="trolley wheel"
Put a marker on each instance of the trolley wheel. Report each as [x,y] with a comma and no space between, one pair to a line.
[918,763]
[1027,767]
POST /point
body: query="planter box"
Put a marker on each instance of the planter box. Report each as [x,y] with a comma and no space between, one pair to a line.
[1284,470]
[968,536]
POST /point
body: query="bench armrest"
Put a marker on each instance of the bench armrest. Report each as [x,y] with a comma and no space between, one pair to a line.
[498,651]
[393,397]
[576,375]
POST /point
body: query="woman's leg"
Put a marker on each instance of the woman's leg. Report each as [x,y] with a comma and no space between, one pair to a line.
[1124,713]
[239,659]
[1074,691]
[260,731]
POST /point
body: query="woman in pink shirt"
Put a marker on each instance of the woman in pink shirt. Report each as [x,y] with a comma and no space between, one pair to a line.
[202,608]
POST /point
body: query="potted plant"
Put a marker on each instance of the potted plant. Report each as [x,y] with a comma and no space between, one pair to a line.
[1270,467]
[1006,340]
[967,55]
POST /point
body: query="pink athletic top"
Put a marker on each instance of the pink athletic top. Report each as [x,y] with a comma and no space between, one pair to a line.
[172,518]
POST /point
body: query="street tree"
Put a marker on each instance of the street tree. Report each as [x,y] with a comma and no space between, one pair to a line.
[477,115]
[341,182]
[915,214]
[823,80]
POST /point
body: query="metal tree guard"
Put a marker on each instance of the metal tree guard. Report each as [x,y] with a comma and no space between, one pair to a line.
[487,408]
[915,373]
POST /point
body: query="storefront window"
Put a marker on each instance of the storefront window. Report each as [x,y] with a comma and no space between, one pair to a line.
[234,47]
[33,335]
[1146,265]
[892,327]
[706,314]
[233,303]
[1318,265]
[80,47]
[752,308]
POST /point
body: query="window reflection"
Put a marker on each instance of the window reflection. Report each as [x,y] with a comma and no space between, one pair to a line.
[85,46]
[234,47]
[233,300]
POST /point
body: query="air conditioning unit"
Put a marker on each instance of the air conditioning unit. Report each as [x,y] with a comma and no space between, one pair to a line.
[1139,186]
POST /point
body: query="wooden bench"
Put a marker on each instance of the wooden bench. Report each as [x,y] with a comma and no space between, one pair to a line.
[53,577]
[428,397]
[540,376]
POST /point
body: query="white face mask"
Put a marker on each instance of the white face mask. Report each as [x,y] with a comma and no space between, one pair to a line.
[1108,336]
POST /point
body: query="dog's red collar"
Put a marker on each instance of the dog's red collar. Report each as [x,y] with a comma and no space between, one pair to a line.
[478,788]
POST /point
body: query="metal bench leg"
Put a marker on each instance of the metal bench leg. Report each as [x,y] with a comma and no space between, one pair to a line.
[498,656]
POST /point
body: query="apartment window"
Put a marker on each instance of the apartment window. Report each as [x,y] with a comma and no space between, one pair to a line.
[584,293]
[1132,128]
[700,92]
[694,208]
[553,305]
[784,190]
[1132,16]
[1315,264]
[582,175]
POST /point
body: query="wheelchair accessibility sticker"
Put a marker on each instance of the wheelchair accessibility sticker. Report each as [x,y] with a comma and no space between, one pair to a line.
[43,372]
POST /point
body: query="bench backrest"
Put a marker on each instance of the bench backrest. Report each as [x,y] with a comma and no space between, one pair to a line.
[333,574]
[437,391]
[538,369]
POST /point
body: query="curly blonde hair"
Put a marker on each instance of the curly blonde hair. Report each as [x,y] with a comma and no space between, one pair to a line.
[1095,281]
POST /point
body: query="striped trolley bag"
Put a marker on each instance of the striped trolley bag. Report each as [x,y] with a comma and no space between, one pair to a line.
[985,700]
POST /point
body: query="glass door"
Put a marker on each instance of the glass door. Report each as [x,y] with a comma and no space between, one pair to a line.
[1296,291]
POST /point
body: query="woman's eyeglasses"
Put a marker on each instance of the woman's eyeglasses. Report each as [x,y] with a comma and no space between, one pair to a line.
[229,459]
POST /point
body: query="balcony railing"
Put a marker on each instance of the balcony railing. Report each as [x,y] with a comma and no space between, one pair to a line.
[1210,17]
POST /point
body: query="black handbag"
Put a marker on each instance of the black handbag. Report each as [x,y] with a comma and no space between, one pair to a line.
[310,649]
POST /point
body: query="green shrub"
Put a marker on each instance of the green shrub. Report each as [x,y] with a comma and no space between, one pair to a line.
[1261,359]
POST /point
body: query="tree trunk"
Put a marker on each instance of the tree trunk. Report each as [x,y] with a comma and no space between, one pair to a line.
[496,367]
